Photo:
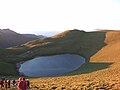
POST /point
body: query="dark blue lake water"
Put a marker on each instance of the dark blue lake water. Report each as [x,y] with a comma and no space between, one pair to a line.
[47,66]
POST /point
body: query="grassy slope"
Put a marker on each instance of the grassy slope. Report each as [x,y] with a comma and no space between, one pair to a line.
[77,42]
[103,71]
[101,49]
[7,69]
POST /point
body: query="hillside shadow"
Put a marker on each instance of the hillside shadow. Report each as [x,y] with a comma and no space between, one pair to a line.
[85,44]
[89,67]
[91,43]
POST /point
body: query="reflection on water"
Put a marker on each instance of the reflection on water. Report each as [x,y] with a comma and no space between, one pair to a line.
[51,65]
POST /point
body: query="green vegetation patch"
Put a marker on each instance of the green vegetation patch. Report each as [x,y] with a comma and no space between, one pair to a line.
[7,69]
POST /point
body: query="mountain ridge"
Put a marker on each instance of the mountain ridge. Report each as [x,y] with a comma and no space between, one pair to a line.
[34,36]
[100,49]
[9,38]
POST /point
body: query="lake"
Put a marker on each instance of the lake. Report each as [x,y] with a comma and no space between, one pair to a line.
[47,66]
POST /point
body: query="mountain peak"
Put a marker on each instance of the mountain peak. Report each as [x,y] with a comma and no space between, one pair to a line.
[7,31]
[68,32]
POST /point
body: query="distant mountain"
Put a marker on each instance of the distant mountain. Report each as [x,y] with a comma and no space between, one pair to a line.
[34,36]
[9,38]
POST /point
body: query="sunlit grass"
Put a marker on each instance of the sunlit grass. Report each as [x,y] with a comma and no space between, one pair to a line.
[101,50]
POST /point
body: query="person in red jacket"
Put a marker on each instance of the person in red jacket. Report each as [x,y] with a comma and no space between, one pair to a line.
[19,83]
[22,84]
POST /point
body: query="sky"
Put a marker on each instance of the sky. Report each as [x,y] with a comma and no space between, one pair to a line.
[52,16]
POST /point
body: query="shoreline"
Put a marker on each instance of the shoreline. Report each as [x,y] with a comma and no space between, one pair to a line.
[18,65]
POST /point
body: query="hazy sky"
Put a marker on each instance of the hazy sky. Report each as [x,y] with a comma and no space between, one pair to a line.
[38,16]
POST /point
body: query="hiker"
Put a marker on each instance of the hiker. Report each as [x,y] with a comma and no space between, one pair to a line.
[19,83]
[22,84]
[13,82]
[28,84]
[2,83]
[8,83]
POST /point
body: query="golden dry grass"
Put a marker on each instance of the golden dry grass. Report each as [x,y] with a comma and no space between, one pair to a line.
[104,79]
[101,49]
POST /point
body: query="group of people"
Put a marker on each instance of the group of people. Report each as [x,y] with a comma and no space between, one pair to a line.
[20,84]
[5,83]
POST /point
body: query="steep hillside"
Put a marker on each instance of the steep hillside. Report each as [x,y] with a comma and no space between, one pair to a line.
[9,38]
[71,41]
[101,73]
[100,48]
